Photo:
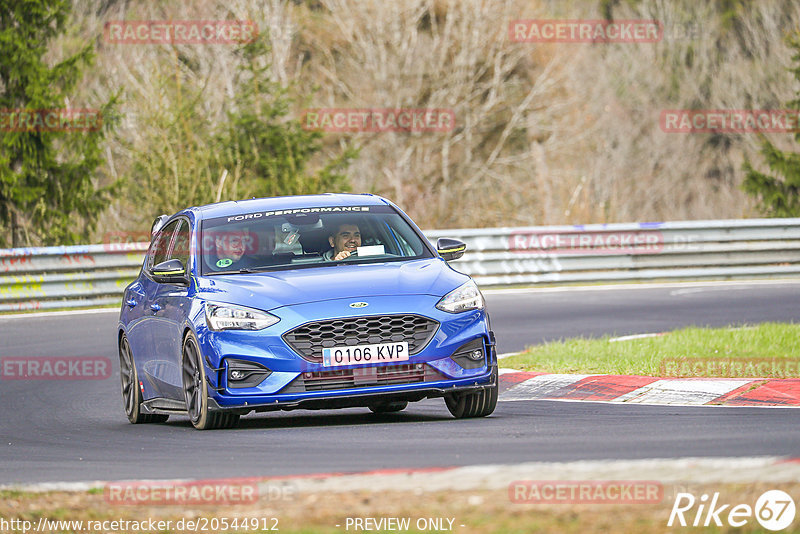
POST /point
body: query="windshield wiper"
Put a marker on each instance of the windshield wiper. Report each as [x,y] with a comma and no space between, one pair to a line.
[250,270]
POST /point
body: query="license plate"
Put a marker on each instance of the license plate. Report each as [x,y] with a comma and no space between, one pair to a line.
[362,354]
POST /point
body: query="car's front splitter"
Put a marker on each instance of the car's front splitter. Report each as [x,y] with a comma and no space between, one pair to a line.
[353,397]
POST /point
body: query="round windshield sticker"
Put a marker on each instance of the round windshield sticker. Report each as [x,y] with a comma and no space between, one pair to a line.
[224,262]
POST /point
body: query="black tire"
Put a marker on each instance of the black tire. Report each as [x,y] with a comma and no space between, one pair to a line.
[195,391]
[480,404]
[388,407]
[131,394]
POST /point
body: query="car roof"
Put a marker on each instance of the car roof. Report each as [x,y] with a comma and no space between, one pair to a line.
[238,207]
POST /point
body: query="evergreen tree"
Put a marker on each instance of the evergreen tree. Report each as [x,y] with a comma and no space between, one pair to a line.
[47,191]
[271,150]
[778,196]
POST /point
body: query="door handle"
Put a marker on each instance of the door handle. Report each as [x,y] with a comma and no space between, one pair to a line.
[155,307]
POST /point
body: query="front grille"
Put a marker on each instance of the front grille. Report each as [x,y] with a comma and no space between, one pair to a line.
[363,377]
[309,339]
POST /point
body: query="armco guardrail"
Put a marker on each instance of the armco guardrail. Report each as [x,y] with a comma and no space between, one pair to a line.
[57,277]
[63,277]
[722,249]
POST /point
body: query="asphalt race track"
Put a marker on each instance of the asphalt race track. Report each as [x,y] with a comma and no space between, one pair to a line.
[77,430]
[548,314]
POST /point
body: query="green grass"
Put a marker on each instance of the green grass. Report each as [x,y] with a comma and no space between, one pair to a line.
[15,494]
[699,351]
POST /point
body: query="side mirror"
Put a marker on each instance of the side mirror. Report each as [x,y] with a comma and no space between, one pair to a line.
[450,249]
[170,272]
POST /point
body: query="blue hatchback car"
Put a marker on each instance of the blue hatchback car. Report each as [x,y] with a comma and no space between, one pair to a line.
[305,302]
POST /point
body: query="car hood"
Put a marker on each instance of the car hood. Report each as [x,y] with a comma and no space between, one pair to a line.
[271,290]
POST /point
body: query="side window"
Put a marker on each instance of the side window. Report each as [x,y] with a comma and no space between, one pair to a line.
[180,248]
[161,245]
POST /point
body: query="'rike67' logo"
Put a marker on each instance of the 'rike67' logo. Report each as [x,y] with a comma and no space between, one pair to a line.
[774,510]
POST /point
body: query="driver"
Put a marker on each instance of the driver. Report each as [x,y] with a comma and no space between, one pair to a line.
[345,241]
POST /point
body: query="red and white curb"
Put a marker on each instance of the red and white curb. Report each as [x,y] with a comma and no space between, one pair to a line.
[516,385]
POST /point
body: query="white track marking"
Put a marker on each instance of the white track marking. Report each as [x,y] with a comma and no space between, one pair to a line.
[541,386]
[664,285]
[636,336]
[672,404]
[689,392]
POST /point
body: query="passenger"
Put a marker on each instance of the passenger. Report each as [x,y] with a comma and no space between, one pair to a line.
[345,241]
[230,247]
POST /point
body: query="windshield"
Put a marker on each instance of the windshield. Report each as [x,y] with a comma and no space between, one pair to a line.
[307,237]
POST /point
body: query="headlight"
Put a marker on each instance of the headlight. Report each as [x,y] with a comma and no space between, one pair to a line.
[464,298]
[231,317]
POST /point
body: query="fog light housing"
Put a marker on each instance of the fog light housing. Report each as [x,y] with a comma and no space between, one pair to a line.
[245,374]
[470,355]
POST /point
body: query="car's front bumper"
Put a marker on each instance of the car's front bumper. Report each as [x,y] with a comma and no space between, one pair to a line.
[295,382]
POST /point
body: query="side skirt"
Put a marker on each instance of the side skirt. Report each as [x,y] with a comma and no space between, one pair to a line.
[163,406]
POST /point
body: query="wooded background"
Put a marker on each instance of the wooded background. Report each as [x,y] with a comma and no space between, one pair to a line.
[545,133]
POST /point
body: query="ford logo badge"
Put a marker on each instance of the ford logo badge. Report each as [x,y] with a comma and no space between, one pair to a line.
[358,304]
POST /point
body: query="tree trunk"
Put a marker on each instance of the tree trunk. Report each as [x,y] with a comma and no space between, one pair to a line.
[15,240]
